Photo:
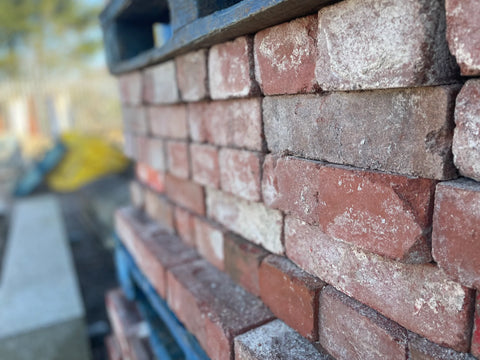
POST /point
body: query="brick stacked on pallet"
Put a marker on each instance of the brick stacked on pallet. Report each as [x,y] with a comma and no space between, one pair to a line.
[329,166]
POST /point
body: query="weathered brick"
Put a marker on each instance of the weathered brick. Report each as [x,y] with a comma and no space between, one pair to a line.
[159,209]
[135,120]
[156,154]
[230,69]
[388,44]
[186,193]
[192,75]
[475,350]
[160,84]
[253,221]
[240,173]
[178,159]
[205,168]
[150,177]
[421,349]
[466,138]
[209,240]
[275,340]
[463,34]
[130,88]
[185,226]
[137,194]
[242,262]
[213,307]
[291,294]
[416,127]
[456,230]
[168,121]
[386,214]
[351,330]
[419,297]
[285,57]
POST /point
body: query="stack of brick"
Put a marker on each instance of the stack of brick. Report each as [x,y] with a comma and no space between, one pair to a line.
[312,189]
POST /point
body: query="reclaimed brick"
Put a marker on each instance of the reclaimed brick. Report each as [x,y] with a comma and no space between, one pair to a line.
[285,57]
[466,138]
[168,121]
[159,209]
[456,230]
[230,69]
[185,226]
[186,193]
[156,154]
[160,84]
[137,194]
[205,168]
[240,173]
[178,159]
[242,262]
[389,44]
[213,307]
[386,214]
[209,240]
[342,128]
[275,340]
[192,75]
[421,349]
[135,120]
[150,177]
[463,34]
[130,88]
[291,294]
[475,350]
[351,330]
[419,297]
[253,221]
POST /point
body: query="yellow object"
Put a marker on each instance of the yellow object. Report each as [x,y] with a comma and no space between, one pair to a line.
[86,159]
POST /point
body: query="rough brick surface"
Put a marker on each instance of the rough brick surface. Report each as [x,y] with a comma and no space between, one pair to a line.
[185,193]
[416,127]
[476,329]
[418,297]
[253,221]
[209,240]
[150,177]
[230,69]
[178,159]
[159,209]
[135,120]
[386,214]
[372,44]
[137,194]
[192,75]
[463,34]
[236,123]
[160,84]
[285,57]
[130,88]
[213,307]
[184,224]
[240,173]
[421,349]
[205,168]
[275,340]
[466,138]
[156,154]
[456,230]
[291,294]
[350,330]
[168,121]
[242,262]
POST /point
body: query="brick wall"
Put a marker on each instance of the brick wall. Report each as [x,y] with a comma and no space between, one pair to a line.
[323,173]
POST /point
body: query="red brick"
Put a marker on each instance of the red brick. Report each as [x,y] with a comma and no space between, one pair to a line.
[168,121]
[351,330]
[192,75]
[456,230]
[156,154]
[475,350]
[150,177]
[205,168]
[185,226]
[242,262]
[253,221]
[466,139]
[291,294]
[419,297]
[379,51]
[186,193]
[230,69]
[421,349]
[213,307]
[240,173]
[113,348]
[209,240]
[275,340]
[285,57]
[178,159]
[160,84]
[343,127]
[387,214]
[159,209]
[463,34]
[135,120]
[130,88]
[137,194]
